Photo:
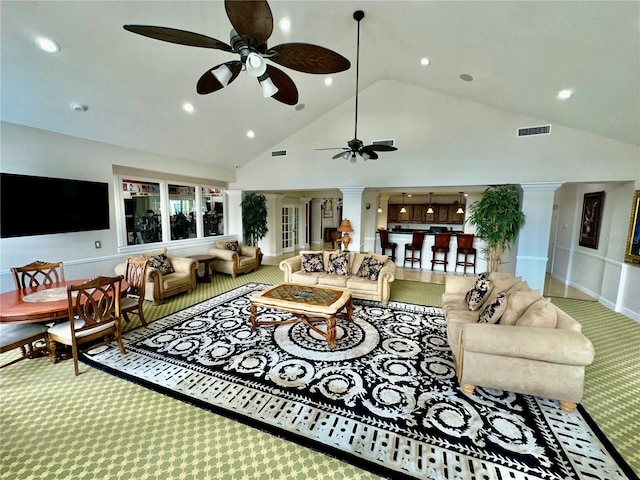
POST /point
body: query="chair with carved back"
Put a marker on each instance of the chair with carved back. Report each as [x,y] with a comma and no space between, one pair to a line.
[94,314]
[38,273]
[136,276]
[414,248]
[440,246]
[386,244]
[25,335]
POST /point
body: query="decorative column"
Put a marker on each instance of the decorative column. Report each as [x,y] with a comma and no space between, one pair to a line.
[352,206]
[233,213]
[533,240]
[304,233]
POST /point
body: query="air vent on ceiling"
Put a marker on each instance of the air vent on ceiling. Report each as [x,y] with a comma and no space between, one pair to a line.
[388,143]
[278,153]
[541,130]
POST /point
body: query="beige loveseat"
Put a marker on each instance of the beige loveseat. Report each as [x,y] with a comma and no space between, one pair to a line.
[243,260]
[527,344]
[376,287]
[161,285]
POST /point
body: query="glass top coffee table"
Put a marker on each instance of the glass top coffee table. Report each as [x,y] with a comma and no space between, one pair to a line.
[308,304]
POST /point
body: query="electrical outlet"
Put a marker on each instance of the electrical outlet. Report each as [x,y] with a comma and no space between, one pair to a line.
[98,244]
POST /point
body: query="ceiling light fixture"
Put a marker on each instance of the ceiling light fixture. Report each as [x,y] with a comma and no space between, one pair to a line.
[564,94]
[466,77]
[379,207]
[268,87]
[424,61]
[285,24]
[223,74]
[251,134]
[328,81]
[430,209]
[47,45]
[460,209]
[403,209]
[188,107]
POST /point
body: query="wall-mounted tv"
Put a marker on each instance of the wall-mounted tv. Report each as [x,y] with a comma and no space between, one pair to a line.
[31,205]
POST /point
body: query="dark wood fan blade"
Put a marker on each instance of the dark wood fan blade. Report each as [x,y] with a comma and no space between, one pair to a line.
[252,18]
[372,155]
[333,148]
[181,37]
[208,83]
[309,58]
[380,148]
[287,91]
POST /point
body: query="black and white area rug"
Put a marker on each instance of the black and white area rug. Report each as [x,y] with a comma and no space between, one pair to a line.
[385,399]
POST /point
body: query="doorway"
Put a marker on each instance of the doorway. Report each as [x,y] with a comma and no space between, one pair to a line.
[290,228]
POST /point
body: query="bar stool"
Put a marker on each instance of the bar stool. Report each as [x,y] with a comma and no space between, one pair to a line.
[441,245]
[386,245]
[415,247]
[465,248]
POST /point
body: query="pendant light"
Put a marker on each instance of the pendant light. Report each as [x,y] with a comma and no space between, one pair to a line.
[430,209]
[403,210]
[460,209]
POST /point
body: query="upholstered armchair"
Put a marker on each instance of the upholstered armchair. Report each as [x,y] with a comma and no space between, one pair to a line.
[233,259]
[166,276]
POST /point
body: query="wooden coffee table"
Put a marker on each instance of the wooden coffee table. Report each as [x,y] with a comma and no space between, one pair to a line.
[308,303]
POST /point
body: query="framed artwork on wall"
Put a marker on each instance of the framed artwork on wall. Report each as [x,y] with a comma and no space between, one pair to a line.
[632,252]
[591,219]
[328,208]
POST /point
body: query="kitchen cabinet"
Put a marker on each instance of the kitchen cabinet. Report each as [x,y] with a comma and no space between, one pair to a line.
[442,214]
[393,215]
[454,217]
[417,213]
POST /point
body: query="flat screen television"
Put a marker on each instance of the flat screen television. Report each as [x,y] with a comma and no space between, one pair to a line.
[31,205]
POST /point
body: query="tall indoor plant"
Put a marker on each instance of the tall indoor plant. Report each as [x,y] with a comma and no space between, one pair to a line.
[498,220]
[254,218]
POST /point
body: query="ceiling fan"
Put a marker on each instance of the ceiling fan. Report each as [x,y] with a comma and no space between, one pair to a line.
[252,23]
[356,146]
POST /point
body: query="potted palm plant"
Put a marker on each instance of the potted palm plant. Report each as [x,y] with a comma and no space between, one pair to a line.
[254,218]
[498,220]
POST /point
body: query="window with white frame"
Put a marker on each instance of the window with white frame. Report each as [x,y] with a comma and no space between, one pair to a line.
[162,211]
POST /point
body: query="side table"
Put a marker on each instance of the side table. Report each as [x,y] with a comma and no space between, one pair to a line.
[205,260]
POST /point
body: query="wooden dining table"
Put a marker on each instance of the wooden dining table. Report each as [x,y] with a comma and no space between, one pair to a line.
[44,303]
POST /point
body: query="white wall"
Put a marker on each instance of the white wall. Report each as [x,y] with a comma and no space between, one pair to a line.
[31,151]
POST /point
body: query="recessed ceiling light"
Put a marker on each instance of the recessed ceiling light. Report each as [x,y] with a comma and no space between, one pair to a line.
[285,24]
[564,94]
[424,61]
[328,81]
[466,77]
[251,134]
[188,107]
[47,45]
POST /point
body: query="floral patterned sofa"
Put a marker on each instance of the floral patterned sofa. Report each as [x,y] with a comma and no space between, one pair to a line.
[367,275]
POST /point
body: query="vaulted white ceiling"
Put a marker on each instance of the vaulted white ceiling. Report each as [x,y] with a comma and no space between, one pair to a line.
[520,54]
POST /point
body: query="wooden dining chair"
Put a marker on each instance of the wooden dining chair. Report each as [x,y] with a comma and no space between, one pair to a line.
[38,273]
[136,276]
[23,336]
[94,314]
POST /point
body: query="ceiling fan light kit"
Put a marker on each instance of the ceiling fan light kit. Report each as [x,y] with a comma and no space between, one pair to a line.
[252,23]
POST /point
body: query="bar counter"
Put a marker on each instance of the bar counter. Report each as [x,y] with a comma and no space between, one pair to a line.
[403,236]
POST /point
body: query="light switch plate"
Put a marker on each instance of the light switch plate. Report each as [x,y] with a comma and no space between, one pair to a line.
[98,244]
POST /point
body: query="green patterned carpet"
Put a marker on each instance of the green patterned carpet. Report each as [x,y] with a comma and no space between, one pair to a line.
[53,424]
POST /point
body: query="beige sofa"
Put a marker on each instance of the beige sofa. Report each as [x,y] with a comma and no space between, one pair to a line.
[245,259]
[527,346]
[162,285]
[367,289]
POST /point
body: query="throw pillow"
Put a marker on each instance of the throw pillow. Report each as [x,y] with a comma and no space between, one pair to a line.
[478,294]
[492,312]
[370,268]
[232,246]
[312,263]
[338,263]
[540,314]
[161,262]
[517,304]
